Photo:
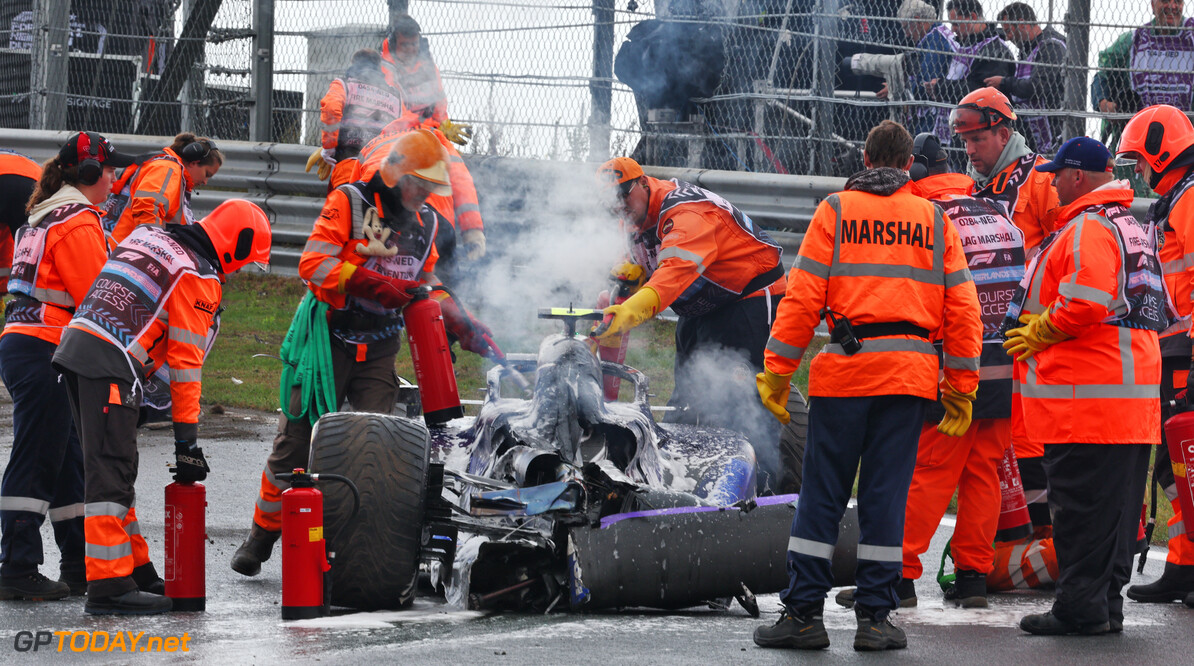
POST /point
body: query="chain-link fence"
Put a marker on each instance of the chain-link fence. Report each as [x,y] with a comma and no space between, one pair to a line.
[789,86]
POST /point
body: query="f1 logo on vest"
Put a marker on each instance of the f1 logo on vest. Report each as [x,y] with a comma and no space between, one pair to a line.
[878,232]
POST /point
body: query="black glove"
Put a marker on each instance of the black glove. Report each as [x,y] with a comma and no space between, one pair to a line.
[192,466]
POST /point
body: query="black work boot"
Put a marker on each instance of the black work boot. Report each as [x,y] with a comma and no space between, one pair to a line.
[1189,600]
[32,587]
[148,580]
[969,589]
[74,575]
[134,602]
[905,590]
[1048,624]
[255,550]
[800,630]
[877,633]
[1174,584]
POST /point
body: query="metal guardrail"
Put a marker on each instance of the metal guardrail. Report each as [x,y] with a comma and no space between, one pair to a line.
[272,176]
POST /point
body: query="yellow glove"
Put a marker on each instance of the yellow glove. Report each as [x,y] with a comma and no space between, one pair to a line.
[1037,334]
[474,243]
[631,273]
[774,390]
[457,133]
[324,169]
[630,313]
[958,410]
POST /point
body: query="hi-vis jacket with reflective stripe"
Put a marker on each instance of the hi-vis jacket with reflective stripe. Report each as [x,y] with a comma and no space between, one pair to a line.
[876,259]
[422,89]
[355,111]
[1028,194]
[54,264]
[156,300]
[158,193]
[1103,385]
[699,251]
[462,209]
[1173,213]
[994,248]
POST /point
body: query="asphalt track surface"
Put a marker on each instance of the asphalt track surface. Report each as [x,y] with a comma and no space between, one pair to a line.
[242,623]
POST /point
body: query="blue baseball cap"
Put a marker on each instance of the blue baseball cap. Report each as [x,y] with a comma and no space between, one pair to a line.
[1080,152]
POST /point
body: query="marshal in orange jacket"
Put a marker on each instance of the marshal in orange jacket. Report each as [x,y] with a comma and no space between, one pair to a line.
[157,195]
[879,258]
[1032,197]
[1101,386]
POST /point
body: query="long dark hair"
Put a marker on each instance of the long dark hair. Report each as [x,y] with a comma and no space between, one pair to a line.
[53,177]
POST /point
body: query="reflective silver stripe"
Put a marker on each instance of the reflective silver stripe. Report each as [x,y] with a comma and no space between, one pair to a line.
[880,553]
[1176,266]
[159,196]
[994,372]
[468,208]
[188,337]
[455,158]
[30,504]
[1178,528]
[118,511]
[324,269]
[53,297]
[97,552]
[1090,391]
[958,277]
[812,267]
[268,507]
[872,345]
[926,276]
[132,528]
[189,375]
[1085,293]
[1014,570]
[322,247]
[1036,496]
[331,127]
[810,548]
[1171,492]
[138,351]
[1126,358]
[960,362]
[784,349]
[67,512]
[5,272]
[1037,562]
[685,255]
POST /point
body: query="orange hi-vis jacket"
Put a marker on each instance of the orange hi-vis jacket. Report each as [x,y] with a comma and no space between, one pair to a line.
[421,87]
[13,164]
[1028,194]
[1101,386]
[462,209]
[1174,213]
[159,192]
[878,258]
[700,252]
[55,261]
[354,112]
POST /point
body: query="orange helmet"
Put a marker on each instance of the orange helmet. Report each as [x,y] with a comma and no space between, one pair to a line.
[418,154]
[240,233]
[981,109]
[1157,135]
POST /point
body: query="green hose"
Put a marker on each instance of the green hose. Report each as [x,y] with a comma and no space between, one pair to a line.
[946,581]
[307,362]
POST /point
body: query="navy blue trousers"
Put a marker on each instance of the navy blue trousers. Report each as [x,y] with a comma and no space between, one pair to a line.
[875,437]
[44,475]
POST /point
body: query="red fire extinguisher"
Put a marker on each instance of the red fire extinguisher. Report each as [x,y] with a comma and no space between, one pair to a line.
[615,350]
[1179,437]
[1014,522]
[432,359]
[186,540]
[306,562]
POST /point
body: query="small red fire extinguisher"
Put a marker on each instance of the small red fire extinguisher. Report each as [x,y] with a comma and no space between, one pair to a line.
[1014,522]
[306,562]
[186,541]
[432,358]
[1179,438]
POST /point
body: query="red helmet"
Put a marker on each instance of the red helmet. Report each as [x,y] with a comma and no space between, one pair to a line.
[240,233]
[981,109]
[1157,135]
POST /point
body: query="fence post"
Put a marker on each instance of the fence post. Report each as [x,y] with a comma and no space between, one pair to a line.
[826,55]
[1077,62]
[48,70]
[263,71]
[600,87]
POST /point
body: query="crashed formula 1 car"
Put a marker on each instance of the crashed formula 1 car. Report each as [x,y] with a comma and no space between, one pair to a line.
[554,500]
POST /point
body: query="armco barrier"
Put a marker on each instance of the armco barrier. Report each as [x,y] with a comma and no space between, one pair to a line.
[272,176]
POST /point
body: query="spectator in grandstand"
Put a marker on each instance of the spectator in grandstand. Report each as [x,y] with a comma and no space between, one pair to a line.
[1038,82]
[935,46]
[981,53]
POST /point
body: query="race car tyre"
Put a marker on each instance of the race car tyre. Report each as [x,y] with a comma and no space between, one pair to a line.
[377,555]
[792,439]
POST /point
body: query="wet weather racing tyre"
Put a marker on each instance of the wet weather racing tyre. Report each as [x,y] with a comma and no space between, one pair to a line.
[792,438]
[377,555]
